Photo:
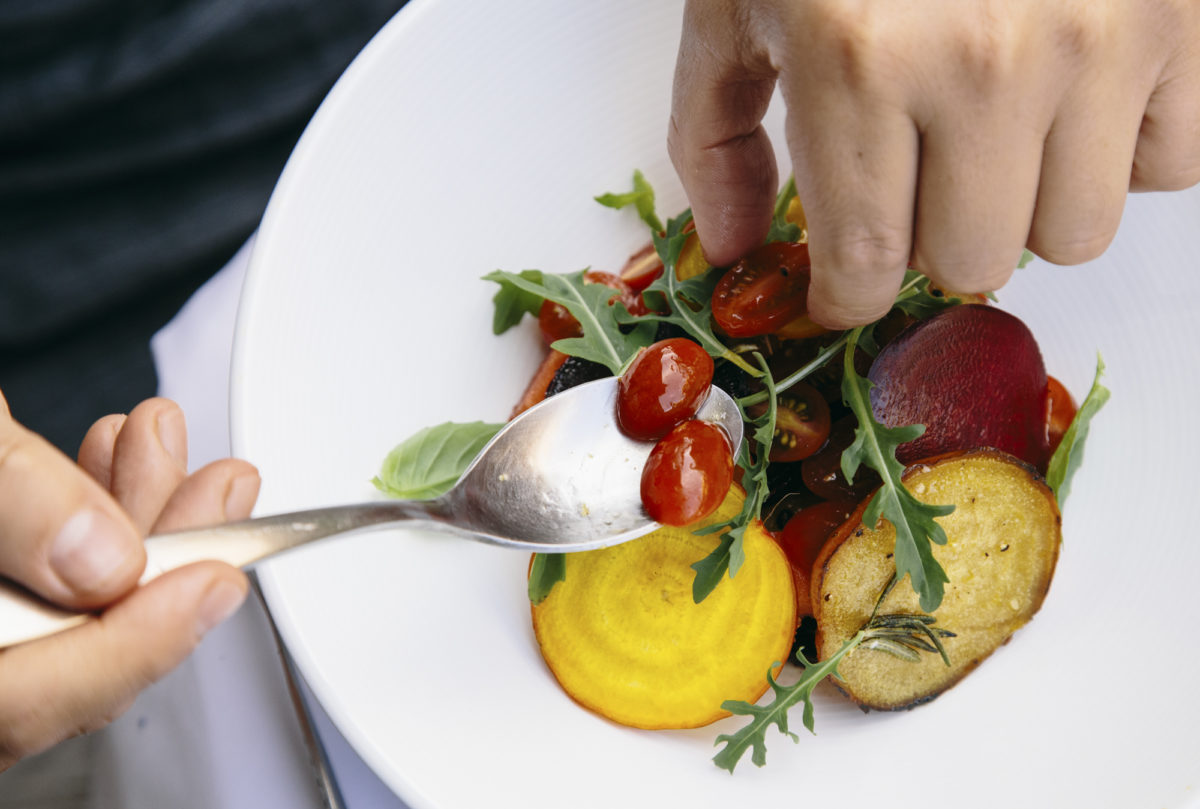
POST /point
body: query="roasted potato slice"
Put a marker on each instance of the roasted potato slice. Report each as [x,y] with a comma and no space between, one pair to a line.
[1003,542]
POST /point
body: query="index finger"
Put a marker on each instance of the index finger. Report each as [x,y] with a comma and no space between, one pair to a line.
[716,140]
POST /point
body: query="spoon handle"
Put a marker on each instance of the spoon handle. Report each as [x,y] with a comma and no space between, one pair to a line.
[25,616]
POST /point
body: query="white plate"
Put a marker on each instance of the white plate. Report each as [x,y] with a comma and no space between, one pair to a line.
[471,136]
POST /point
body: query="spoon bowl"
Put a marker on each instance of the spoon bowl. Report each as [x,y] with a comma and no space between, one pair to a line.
[560,477]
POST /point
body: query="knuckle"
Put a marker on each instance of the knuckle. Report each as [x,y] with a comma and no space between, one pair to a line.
[1156,173]
[867,252]
[1071,247]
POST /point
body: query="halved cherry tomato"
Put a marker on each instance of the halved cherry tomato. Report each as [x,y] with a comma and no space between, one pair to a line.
[642,268]
[688,474]
[664,385]
[1060,411]
[801,423]
[822,472]
[802,538]
[764,291]
[556,323]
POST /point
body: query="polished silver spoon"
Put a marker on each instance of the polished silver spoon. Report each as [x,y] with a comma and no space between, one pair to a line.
[560,477]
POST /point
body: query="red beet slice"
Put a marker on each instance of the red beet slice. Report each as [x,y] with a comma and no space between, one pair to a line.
[973,375]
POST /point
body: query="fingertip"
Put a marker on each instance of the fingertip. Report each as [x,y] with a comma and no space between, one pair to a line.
[845,303]
[224,597]
[96,556]
[96,450]
[242,494]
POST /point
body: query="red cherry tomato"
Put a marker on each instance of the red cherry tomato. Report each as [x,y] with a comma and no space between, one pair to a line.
[556,323]
[625,293]
[764,291]
[803,537]
[801,423]
[688,474]
[642,268]
[1060,411]
[822,472]
[664,385]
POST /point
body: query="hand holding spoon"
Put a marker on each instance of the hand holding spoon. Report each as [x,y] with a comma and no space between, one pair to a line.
[560,477]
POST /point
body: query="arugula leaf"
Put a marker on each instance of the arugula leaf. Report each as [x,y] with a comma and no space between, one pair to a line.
[432,460]
[900,634]
[781,229]
[511,302]
[875,445]
[729,554]
[604,340]
[1069,455]
[1024,260]
[641,197]
[547,570]
[686,304]
[918,300]
[753,735]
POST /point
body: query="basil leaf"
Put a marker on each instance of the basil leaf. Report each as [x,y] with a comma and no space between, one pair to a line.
[511,302]
[641,197]
[430,462]
[1069,455]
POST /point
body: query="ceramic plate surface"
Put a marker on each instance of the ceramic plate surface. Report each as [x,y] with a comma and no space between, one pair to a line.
[472,136]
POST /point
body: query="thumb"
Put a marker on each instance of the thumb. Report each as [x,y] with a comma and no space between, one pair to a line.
[716,140]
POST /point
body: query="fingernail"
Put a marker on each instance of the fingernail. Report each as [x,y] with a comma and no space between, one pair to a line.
[220,602]
[90,549]
[172,434]
[239,501]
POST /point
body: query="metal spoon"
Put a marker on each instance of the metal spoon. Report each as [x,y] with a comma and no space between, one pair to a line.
[560,477]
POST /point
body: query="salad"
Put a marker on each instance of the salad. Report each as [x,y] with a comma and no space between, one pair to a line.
[892,518]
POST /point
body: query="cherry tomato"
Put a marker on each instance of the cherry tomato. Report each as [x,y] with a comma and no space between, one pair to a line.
[1060,411]
[764,291]
[822,472]
[556,323]
[664,385]
[801,423]
[625,293]
[642,268]
[688,474]
[803,537]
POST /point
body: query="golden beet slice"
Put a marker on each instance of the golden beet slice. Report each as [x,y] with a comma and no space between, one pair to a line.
[624,638]
[1003,541]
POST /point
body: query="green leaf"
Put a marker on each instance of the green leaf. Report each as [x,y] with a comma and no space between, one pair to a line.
[754,735]
[686,304]
[917,299]
[730,553]
[604,340]
[511,302]
[781,229]
[1069,455]
[547,570]
[875,445]
[641,197]
[430,462]
[711,569]
[1026,257]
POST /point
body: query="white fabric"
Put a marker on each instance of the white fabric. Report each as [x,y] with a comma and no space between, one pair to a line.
[220,732]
